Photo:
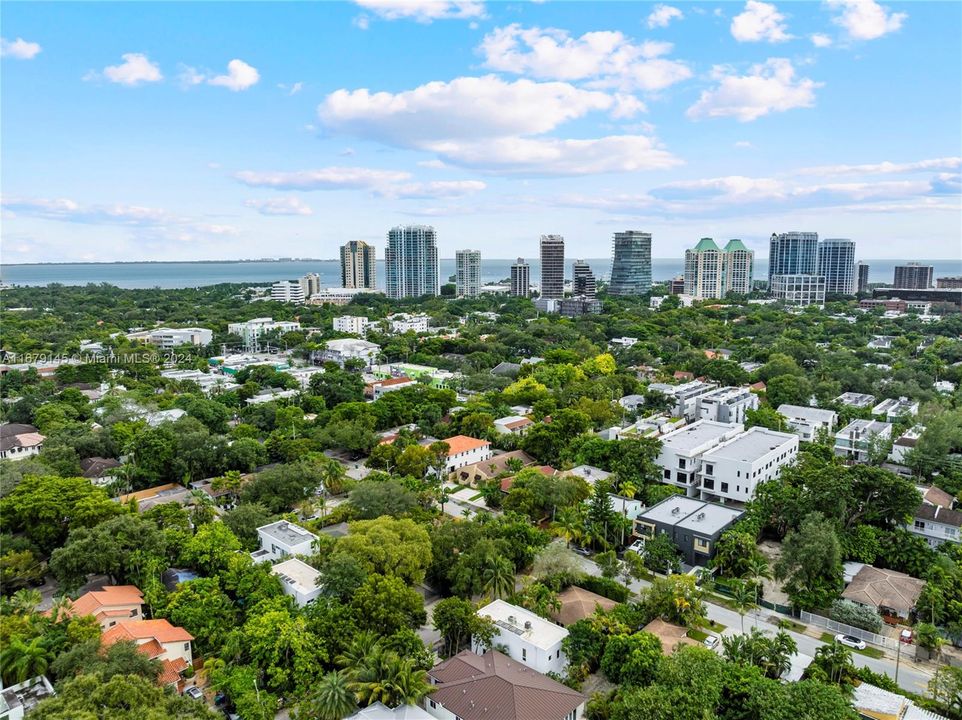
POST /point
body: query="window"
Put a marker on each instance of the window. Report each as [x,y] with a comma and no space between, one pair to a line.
[433,704]
[524,654]
[682,477]
[724,487]
[681,463]
[667,474]
[186,646]
[919,525]
[709,469]
[133,613]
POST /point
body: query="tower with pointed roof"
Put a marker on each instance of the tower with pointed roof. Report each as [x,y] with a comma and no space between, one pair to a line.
[739,266]
[712,272]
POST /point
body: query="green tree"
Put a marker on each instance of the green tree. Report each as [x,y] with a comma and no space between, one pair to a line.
[498,577]
[631,659]
[372,499]
[244,520]
[386,604]
[119,658]
[458,622]
[22,659]
[331,699]
[386,546]
[743,598]
[661,554]
[811,562]
[200,607]
[210,549]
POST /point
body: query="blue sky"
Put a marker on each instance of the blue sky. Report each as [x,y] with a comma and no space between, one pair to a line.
[238,130]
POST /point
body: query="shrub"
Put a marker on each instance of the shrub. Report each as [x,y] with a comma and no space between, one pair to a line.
[845,611]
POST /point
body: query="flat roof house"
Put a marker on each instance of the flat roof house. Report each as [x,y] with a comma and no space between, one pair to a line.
[464,450]
[893,409]
[529,638]
[681,452]
[344,349]
[732,471]
[282,539]
[856,400]
[806,421]
[494,686]
[890,593]
[855,441]
[299,580]
[693,525]
[727,404]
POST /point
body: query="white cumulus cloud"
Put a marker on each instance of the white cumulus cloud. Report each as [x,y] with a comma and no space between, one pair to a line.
[135,69]
[886,168]
[19,49]
[772,86]
[240,76]
[423,11]
[385,183]
[280,206]
[759,21]
[662,15]
[820,40]
[866,19]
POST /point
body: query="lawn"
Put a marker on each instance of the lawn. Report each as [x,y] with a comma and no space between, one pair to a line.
[698,635]
[791,625]
[870,651]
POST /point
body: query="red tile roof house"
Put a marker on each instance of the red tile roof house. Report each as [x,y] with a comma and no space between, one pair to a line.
[109,605]
[464,450]
[492,686]
[159,640]
[18,441]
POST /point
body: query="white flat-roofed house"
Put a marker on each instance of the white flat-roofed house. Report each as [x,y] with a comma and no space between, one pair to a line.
[686,396]
[807,422]
[855,441]
[732,471]
[681,451]
[303,375]
[299,580]
[281,540]
[351,324]
[727,404]
[893,409]
[344,349]
[168,338]
[529,638]
[209,383]
[464,450]
[250,331]
[513,425]
[856,400]
[403,322]
[905,443]
[622,342]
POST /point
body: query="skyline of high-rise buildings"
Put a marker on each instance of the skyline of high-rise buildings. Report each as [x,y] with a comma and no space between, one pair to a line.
[630,263]
[913,276]
[411,262]
[552,267]
[467,273]
[358,265]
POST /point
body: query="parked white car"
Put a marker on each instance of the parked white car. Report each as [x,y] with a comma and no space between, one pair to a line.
[849,641]
[711,642]
[638,546]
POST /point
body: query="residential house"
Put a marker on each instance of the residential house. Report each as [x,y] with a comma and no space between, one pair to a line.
[631,403]
[506,369]
[158,640]
[693,526]
[303,375]
[893,409]
[528,637]
[732,470]
[727,404]
[936,524]
[18,700]
[19,441]
[808,422]
[157,495]
[109,605]
[299,580]
[682,450]
[670,635]
[874,703]
[100,471]
[280,540]
[905,443]
[513,425]
[377,389]
[856,441]
[880,342]
[892,594]
[685,396]
[380,711]
[403,322]
[576,604]
[464,450]
[856,400]
[494,686]
[622,343]
[492,467]
[344,349]
[350,324]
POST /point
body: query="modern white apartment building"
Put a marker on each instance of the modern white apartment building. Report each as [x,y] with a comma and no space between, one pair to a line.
[836,263]
[467,273]
[520,278]
[682,450]
[732,471]
[529,638]
[893,409]
[169,338]
[403,322]
[358,265]
[344,349]
[252,330]
[209,383]
[411,262]
[339,296]
[299,580]
[686,396]
[855,441]
[351,324]
[799,289]
[727,404]
[856,400]
[807,422]
[303,375]
[281,540]
[552,267]
[288,291]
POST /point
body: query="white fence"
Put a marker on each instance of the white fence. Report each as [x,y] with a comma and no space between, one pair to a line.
[836,627]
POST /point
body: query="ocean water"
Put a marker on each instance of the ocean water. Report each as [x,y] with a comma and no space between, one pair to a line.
[197,274]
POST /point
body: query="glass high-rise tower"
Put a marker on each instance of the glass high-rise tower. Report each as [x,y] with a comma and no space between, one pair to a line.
[411,262]
[836,263]
[631,263]
[552,267]
[792,253]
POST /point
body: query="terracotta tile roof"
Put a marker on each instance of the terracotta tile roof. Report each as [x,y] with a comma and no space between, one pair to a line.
[495,687]
[392,381]
[462,443]
[578,603]
[171,670]
[684,375]
[110,596]
[523,422]
[160,630]
[669,634]
[884,589]
[151,649]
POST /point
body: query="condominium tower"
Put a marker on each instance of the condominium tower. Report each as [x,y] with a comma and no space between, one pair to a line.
[631,263]
[861,273]
[913,276]
[520,278]
[411,262]
[358,265]
[792,253]
[583,280]
[467,274]
[552,267]
[836,263]
[711,272]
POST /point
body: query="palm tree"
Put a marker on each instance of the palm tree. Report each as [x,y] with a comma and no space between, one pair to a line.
[780,660]
[569,523]
[363,646]
[498,577]
[25,601]
[21,660]
[332,475]
[743,599]
[332,700]
[407,683]
[757,570]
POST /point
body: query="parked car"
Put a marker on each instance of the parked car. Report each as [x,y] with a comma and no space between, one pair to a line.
[581,550]
[849,641]
[906,636]
[711,642]
[194,692]
[638,546]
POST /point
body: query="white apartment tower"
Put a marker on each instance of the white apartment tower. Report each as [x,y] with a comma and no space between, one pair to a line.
[468,273]
[552,267]
[739,267]
[411,262]
[520,279]
[310,284]
[711,272]
[836,263]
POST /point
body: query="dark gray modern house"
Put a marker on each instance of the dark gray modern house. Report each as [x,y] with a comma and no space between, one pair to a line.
[694,526]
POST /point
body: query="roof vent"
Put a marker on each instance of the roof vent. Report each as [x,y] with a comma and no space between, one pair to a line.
[675,510]
[512,619]
[701,516]
[527,624]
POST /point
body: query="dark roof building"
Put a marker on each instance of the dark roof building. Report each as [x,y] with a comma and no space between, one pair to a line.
[495,687]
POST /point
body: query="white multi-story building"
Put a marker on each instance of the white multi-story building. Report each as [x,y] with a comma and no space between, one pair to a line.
[467,273]
[281,540]
[169,338]
[340,296]
[303,375]
[855,441]
[836,263]
[288,291]
[520,278]
[686,396]
[552,267]
[513,425]
[682,450]
[936,524]
[351,324]
[905,443]
[299,580]
[727,404]
[704,270]
[310,284]
[411,262]
[739,267]
[800,290]
[464,450]
[529,638]
[403,322]
[344,349]
[893,409]
[209,383]
[807,422]
[856,400]
[252,330]
[732,471]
